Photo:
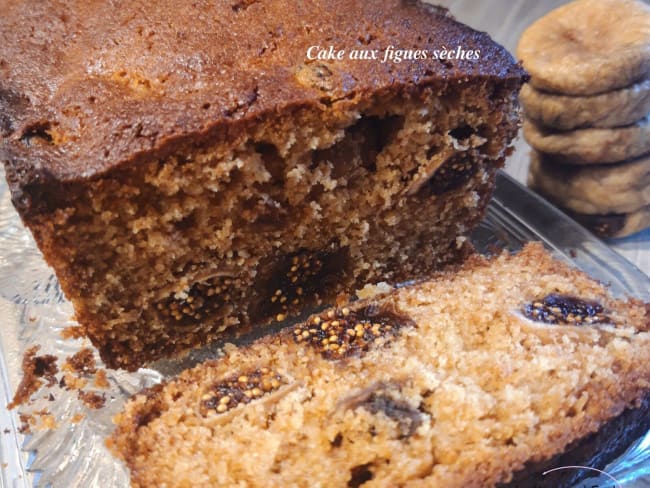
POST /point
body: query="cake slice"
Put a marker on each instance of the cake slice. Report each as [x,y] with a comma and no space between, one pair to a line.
[486,375]
[188,170]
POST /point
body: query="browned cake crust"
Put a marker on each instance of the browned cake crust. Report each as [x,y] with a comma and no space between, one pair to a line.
[596,450]
[173,163]
[105,86]
[485,375]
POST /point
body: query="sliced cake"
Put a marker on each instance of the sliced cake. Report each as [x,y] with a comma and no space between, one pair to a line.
[488,375]
[191,169]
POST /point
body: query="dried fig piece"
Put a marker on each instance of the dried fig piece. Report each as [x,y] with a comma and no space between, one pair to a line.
[566,310]
[241,389]
[342,332]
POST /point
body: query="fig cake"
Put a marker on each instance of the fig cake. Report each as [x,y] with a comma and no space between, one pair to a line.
[192,170]
[490,374]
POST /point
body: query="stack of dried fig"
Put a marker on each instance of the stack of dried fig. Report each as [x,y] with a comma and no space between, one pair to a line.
[587,112]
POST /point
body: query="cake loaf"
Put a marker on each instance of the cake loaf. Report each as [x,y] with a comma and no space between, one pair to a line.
[490,375]
[188,170]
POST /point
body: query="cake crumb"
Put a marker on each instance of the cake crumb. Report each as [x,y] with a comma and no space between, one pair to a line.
[34,367]
[26,421]
[82,362]
[39,420]
[76,418]
[229,347]
[373,290]
[72,382]
[101,380]
[72,332]
[91,399]
[47,422]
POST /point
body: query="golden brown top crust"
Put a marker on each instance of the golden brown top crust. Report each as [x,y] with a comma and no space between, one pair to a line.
[89,86]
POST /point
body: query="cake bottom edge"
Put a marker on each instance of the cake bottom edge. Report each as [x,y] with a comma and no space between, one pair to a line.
[582,457]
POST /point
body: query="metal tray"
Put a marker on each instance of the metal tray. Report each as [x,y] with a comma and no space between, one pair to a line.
[34,311]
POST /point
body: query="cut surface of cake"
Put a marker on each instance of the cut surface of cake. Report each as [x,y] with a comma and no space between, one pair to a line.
[187,170]
[487,375]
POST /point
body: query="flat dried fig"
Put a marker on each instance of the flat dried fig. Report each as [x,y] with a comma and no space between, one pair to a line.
[565,112]
[594,189]
[591,146]
[615,225]
[588,47]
